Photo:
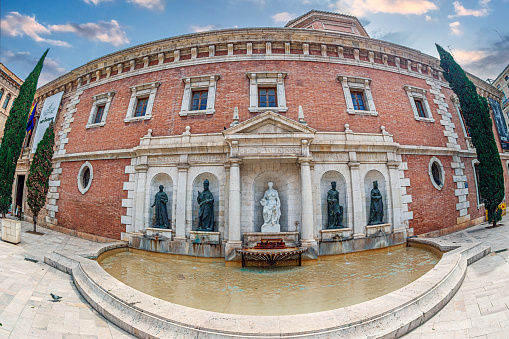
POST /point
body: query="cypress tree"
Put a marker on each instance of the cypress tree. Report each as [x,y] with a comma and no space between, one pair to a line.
[14,133]
[40,171]
[477,117]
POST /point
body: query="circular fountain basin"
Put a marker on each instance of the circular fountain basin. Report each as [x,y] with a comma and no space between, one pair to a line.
[334,283]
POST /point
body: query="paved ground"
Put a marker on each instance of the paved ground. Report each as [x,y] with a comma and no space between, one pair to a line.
[26,309]
[480,309]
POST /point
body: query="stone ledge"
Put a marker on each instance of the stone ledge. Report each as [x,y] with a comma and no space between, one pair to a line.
[388,316]
[336,234]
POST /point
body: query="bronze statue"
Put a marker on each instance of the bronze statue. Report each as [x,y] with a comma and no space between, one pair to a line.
[376,211]
[160,201]
[206,214]
[334,209]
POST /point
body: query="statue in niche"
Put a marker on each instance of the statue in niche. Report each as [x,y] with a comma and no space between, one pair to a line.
[271,210]
[160,201]
[206,214]
[376,210]
[334,209]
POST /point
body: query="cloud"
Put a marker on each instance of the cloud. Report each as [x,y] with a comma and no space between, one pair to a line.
[15,25]
[462,11]
[198,29]
[107,32]
[283,17]
[150,4]
[455,28]
[95,2]
[50,71]
[487,62]
[404,38]
[259,3]
[430,19]
[362,7]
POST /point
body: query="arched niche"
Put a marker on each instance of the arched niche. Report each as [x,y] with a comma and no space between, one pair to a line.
[260,185]
[165,180]
[325,185]
[214,188]
[371,176]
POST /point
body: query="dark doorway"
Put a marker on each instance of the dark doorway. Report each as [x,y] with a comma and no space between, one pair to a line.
[19,193]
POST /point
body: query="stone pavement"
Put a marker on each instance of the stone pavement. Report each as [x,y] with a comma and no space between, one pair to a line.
[26,309]
[479,309]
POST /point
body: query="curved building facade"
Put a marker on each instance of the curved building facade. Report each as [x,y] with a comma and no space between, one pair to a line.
[302,106]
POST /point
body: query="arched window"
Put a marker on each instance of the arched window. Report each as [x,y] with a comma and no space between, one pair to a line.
[6,102]
[1,94]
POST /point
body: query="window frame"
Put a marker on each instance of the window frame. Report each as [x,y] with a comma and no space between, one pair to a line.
[464,127]
[267,96]
[416,93]
[480,202]
[358,84]
[6,101]
[103,99]
[201,100]
[84,189]
[1,94]
[259,80]
[139,92]
[435,160]
[197,84]
[139,100]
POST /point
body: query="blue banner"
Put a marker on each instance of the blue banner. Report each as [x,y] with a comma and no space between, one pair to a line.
[500,122]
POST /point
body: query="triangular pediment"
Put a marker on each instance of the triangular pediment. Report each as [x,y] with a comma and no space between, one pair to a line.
[269,123]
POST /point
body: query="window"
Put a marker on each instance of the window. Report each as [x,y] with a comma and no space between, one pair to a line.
[1,94]
[85,177]
[480,200]
[199,100]
[358,97]
[6,102]
[506,77]
[100,107]
[464,126]
[141,102]
[419,103]
[267,92]
[99,115]
[358,101]
[436,173]
[267,97]
[141,107]
[199,95]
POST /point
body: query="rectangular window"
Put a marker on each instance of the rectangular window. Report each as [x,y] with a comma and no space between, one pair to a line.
[99,114]
[141,107]
[420,108]
[464,123]
[478,183]
[6,102]
[358,100]
[506,77]
[199,100]
[267,97]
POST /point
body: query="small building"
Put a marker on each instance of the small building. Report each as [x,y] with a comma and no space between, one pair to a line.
[9,90]
[502,84]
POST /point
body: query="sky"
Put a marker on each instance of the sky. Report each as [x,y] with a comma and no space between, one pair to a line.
[78,31]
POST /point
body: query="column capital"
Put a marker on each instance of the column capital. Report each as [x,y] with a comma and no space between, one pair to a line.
[304,160]
[141,168]
[183,167]
[234,162]
[393,164]
[354,164]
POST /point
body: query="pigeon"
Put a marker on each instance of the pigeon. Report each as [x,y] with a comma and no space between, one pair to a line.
[55,297]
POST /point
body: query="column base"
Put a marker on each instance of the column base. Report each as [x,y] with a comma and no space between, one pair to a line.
[312,249]
[230,254]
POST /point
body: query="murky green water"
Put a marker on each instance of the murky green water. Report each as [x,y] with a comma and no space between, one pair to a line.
[270,291]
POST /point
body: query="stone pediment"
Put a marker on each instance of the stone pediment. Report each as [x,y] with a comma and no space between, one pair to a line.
[269,123]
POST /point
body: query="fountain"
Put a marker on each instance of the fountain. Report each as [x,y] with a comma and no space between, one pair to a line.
[273,252]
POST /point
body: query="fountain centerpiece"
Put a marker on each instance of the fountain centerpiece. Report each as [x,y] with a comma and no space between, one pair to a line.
[271,252]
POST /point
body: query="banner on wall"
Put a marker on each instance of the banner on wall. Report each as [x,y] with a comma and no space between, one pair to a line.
[500,122]
[48,114]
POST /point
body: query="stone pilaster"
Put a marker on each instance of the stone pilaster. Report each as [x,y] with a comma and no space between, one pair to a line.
[180,219]
[234,207]
[307,236]
[358,219]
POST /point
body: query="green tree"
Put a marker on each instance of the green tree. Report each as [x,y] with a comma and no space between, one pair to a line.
[477,117]
[40,171]
[14,133]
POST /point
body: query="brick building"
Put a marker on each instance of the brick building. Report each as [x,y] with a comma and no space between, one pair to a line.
[9,90]
[314,102]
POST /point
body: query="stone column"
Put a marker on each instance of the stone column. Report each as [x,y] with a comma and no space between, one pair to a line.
[139,197]
[180,219]
[357,203]
[307,222]
[234,207]
[397,206]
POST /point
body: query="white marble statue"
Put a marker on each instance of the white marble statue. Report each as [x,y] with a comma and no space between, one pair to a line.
[271,210]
